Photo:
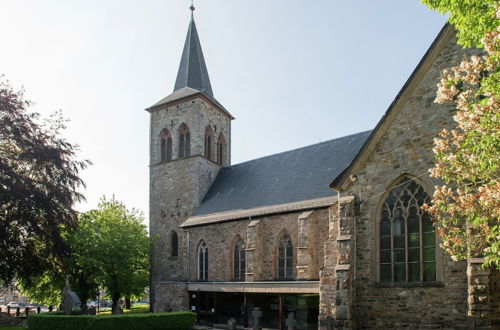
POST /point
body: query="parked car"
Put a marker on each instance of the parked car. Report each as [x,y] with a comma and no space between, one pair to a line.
[13,304]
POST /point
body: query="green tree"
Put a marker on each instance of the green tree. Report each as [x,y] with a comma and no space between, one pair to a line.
[472,18]
[120,246]
[39,182]
[467,206]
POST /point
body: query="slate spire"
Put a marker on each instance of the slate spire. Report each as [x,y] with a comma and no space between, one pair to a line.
[192,70]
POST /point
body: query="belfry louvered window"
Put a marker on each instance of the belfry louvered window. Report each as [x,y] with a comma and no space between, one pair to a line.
[407,237]
[239,261]
[203,262]
[285,258]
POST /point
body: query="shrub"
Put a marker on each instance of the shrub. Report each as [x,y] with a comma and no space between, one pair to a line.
[143,321]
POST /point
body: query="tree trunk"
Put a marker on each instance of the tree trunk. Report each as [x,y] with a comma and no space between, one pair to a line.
[127,302]
[115,308]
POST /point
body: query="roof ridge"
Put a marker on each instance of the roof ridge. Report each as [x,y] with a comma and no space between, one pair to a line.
[295,149]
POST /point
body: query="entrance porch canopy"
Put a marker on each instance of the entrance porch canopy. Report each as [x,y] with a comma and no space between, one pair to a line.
[257,287]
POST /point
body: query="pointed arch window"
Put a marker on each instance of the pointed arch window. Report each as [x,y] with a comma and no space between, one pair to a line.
[184,141]
[209,138]
[285,258]
[239,261]
[165,146]
[407,238]
[203,261]
[221,144]
[174,244]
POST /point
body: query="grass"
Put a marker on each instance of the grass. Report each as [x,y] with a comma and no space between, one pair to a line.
[13,328]
[135,309]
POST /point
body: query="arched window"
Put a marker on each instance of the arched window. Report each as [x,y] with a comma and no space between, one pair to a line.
[174,244]
[203,261]
[285,258]
[407,237]
[239,261]
[165,146]
[220,149]
[209,138]
[184,141]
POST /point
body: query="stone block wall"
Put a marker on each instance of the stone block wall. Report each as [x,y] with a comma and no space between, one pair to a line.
[261,238]
[406,148]
[177,187]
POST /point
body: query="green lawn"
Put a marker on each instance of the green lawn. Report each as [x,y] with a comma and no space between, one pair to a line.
[133,310]
[12,328]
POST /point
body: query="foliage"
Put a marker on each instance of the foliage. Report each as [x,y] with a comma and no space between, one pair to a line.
[114,247]
[149,321]
[38,187]
[472,18]
[44,289]
[467,207]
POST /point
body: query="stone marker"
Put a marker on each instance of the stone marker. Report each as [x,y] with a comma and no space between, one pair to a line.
[69,299]
[290,321]
[26,311]
[18,311]
[38,310]
[8,310]
[257,315]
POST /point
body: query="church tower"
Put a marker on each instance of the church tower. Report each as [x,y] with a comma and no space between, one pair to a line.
[190,140]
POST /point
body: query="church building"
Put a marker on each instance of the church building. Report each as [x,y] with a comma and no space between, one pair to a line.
[331,232]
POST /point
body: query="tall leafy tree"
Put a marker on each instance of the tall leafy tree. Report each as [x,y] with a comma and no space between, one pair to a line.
[467,206]
[39,182]
[118,246]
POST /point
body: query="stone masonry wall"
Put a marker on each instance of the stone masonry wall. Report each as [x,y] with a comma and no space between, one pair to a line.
[176,189]
[219,239]
[406,148]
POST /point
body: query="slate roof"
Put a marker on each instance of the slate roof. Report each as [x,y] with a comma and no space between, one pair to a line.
[192,69]
[192,76]
[291,176]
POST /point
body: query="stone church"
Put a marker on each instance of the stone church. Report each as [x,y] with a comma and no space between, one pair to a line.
[332,232]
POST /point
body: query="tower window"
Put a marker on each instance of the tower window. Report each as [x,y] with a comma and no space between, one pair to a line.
[203,261]
[285,258]
[208,142]
[239,261]
[220,149]
[184,141]
[165,146]
[407,244]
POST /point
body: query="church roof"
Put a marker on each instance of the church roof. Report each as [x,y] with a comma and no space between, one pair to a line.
[288,177]
[192,76]
[193,72]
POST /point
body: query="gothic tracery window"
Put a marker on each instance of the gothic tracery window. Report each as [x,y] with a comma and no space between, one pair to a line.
[165,146]
[184,141]
[220,149]
[203,261]
[285,258]
[407,237]
[239,261]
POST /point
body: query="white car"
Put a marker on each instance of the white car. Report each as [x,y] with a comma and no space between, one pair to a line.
[13,304]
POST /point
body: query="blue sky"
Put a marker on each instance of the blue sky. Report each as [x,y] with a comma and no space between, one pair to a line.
[292,72]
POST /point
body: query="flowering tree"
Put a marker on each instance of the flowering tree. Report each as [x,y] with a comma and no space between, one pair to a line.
[467,206]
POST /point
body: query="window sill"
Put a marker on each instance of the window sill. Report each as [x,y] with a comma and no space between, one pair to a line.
[409,285]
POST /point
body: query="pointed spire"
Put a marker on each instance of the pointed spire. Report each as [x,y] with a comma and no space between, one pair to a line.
[192,70]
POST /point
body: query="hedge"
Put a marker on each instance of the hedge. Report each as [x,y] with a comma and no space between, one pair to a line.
[150,321]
